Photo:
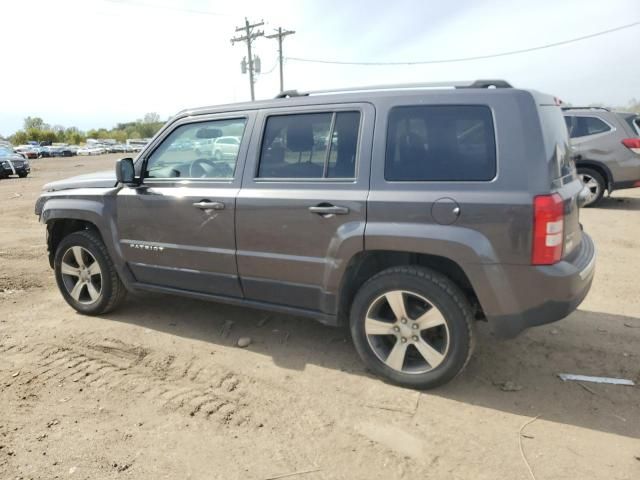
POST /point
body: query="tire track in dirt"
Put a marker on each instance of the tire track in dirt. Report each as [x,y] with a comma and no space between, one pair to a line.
[112,364]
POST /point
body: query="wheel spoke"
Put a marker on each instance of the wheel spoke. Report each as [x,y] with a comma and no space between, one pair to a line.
[396,302]
[377,327]
[430,354]
[77,254]
[94,268]
[396,356]
[67,269]
[432,318]
[93,292]
[75,291]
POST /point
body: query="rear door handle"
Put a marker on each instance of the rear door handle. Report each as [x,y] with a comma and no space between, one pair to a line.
[328,209]
[207,205]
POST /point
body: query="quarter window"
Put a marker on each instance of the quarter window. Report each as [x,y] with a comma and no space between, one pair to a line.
[440,143]
[189,151]
[310,146]
[584,126]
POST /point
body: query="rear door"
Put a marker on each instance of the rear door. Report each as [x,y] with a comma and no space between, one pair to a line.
[177,229]
[302,209]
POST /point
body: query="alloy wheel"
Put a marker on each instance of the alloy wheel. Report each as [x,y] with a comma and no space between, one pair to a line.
[407,332]
[592,185]
[81,275]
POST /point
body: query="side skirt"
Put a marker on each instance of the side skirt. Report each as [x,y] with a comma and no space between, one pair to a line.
[323,318]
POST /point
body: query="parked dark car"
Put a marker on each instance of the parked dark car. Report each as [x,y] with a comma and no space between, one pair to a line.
[424,211]
[12,163]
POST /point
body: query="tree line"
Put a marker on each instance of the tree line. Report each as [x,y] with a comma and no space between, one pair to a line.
[36,129]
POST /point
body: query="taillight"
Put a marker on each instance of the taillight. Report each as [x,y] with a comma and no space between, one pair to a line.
[548,229]
[632,144]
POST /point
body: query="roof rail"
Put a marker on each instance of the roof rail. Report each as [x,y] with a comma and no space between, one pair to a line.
[468,84]
[587,108]
[291,93]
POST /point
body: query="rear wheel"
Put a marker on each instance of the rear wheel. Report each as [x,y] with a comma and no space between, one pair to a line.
[595,183]
[85,274]
[22,175]
[412,326]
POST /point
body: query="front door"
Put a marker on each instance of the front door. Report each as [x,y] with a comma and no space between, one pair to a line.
[176,229]
[302,207]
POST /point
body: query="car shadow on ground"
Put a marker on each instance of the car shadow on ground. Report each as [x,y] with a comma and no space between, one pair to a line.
[619,203]
[585,343]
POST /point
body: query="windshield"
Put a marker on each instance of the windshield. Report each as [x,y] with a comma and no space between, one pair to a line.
[5,152]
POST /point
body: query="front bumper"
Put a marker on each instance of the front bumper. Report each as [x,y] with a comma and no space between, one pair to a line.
[5,171]
[527,296]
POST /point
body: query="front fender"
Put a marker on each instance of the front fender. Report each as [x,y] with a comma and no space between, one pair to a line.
[96,212]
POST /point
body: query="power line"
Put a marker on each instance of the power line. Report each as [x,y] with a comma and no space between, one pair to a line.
[467,59]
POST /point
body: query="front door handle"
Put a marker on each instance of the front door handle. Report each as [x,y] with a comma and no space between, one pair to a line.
[326,209]
[207,205]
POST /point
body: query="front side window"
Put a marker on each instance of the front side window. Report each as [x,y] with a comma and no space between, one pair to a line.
[310,146]
[579,126]
[440,143]
[190,151]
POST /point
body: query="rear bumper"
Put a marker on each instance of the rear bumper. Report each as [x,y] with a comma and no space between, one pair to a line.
[527,296]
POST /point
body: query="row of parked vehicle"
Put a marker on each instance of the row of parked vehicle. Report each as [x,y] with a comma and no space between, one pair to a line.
[43,151]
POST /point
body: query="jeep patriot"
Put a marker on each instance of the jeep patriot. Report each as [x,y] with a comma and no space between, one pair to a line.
[407,213]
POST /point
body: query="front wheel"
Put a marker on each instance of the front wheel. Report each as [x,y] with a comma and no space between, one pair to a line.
[85,274]
[412,326]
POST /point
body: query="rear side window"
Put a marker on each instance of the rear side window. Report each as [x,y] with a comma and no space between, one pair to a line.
[584,126]
[634,123]
[310,146]
[440,143]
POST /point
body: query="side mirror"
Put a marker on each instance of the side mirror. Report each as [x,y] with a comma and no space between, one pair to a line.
[125,171]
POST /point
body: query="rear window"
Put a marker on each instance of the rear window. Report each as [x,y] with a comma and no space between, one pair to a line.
[585,126]
[310,146]
[440,143]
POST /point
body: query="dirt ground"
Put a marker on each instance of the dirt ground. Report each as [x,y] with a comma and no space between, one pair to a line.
[159,390]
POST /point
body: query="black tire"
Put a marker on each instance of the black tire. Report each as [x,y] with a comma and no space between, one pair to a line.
[23,175]
[588,174]
[112,291]
[442,293]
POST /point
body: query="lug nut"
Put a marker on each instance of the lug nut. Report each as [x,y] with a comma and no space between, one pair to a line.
[414,338]
[404,320]
[414,326]
[396,329]
[403,340]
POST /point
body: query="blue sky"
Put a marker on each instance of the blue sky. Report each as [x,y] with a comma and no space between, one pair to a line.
[92,63]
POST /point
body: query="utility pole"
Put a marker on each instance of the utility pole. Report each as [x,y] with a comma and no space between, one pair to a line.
[280,35]
[249,36]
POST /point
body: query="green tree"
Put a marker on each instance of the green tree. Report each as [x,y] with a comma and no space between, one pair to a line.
[35,123]
[151,117]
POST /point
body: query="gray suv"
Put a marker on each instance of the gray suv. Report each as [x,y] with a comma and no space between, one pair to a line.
[405,213]
[606,145]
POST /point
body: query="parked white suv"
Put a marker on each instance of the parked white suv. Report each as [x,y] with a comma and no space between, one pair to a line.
[226,147]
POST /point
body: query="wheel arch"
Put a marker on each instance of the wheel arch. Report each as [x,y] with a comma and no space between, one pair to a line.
[599,167]
[365,264]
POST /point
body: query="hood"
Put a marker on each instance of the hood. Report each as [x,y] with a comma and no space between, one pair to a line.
[13,158]
[104,179]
